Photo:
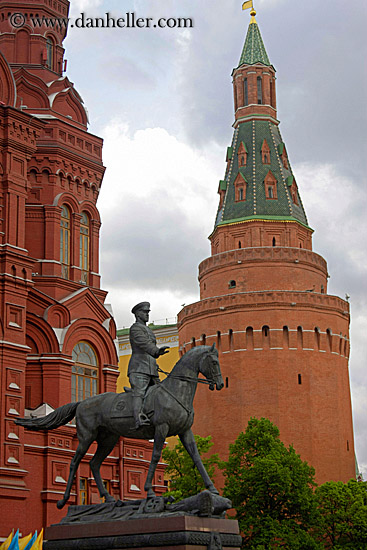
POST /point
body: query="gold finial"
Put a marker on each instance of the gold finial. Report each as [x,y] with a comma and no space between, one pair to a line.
[249,4]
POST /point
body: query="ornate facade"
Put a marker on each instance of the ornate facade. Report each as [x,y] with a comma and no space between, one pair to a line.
[57,336]
[283,340]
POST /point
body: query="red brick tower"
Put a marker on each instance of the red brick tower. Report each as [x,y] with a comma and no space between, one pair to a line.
[283,341]
[56,334]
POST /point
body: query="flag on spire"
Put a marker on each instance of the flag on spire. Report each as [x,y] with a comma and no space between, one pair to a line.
[247,5]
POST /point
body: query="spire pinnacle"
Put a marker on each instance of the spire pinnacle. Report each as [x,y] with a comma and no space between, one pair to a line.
[253,20]
[247,5]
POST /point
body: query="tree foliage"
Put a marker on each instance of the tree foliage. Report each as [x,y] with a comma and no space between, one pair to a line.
[271,489]
[185,480]
[342,515]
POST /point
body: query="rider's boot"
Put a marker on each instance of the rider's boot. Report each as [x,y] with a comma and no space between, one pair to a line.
[140,418]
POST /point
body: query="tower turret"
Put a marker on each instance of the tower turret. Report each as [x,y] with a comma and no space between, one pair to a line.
[283,341]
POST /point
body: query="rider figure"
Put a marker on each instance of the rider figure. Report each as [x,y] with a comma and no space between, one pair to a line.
[143,369]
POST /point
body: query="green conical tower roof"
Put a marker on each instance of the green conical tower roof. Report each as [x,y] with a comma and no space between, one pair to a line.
[254,49]
[253,136]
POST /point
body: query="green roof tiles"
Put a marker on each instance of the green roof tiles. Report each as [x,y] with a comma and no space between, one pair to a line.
[229,153]
[254,49]
[256,205]
[222,185]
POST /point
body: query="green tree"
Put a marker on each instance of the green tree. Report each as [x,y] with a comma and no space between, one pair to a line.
[343,514]
[185,480]
[271,489]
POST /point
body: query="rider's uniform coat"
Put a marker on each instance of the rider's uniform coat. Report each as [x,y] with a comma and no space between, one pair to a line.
[144,350]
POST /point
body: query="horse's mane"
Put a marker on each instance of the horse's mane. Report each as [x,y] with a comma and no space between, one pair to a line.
[190,358]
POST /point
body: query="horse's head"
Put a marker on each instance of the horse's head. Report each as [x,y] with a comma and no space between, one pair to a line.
[210,368]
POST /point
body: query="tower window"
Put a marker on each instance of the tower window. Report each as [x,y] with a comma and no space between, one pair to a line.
[65,242]
[240,194]
[274,241]
[270,184]
[299,337]
[259,91]
[249,338]
[84,378]
[272,98]
[245,92]
[227,381]
[285,337]
[50,53]
[232,284]
[84,247]
[300,379]
[265,152]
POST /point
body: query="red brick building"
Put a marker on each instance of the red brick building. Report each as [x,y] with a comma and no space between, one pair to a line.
[283,341]
[57,336]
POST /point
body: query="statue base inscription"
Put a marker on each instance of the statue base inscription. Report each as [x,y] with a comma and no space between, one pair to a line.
[179,532]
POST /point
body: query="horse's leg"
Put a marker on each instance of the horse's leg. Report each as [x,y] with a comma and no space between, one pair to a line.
[83,447]
[160,435]
[188,441]
[106,443]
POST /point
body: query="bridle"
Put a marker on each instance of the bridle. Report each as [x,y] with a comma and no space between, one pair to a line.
[210,380]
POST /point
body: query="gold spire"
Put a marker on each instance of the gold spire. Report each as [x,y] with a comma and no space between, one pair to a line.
[253,20]
[249,4]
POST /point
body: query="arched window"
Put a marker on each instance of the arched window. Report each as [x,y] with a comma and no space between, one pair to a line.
[272,102]
[245,92]
[317,339]
[285,337]
[259,91]
[84,247]
[65,242]
[250,338]
[299,337]
[329,340]
[84,379]
[266,337]
[50,53]
[230,338]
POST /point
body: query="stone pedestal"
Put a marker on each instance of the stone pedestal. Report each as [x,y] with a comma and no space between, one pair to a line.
[179,532]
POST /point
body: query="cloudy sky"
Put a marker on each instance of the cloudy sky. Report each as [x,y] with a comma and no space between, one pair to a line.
[162,101]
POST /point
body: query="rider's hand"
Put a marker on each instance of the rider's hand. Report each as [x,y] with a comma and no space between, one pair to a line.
[163,350]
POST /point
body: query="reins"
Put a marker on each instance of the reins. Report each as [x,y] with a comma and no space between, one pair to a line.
[186,378]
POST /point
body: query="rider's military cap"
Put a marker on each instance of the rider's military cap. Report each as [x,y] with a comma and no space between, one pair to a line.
[141,305]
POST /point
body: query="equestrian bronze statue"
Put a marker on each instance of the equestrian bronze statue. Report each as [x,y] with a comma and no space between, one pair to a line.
[168,405]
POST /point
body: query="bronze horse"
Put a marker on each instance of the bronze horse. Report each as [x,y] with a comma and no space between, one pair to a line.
[169,405]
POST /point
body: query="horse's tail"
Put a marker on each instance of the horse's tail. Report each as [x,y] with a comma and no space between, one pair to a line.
[59,417]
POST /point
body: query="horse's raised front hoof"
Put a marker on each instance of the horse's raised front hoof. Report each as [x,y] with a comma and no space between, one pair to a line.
[61,503]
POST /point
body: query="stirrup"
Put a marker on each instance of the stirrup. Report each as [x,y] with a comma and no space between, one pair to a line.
[143,420]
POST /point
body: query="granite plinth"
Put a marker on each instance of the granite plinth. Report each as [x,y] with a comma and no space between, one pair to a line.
[182,532]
